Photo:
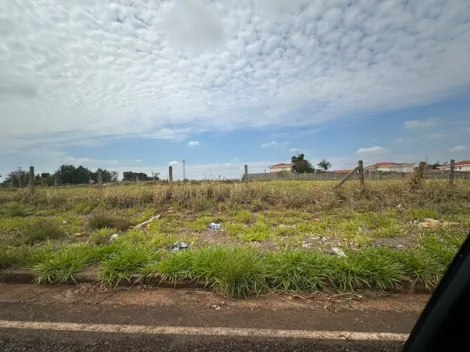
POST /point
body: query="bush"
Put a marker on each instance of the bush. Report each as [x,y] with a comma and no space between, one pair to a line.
[41,230]
[101,221]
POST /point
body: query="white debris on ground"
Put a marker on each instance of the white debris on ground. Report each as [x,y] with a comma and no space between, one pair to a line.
[432,223]
[114,237]
[148,221]
[338,251]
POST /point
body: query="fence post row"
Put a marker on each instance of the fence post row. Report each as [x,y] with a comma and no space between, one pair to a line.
[170,173]
[360,166]
[452,171]
[31,178]
[246,173]
[100,180]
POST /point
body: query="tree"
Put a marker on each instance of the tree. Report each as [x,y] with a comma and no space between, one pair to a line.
[69,174]
[324,164]
[17,178]
[134,176]
[301,165]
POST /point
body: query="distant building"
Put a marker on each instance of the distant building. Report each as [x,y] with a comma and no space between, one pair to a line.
[281,167]
[386,166]
[463,165]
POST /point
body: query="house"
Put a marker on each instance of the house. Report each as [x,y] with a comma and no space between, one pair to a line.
[463,165]
[341,171]
[281,167]
[386,166]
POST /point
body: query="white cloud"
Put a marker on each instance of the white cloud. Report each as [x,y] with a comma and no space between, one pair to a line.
[138,161]
[294,150]
[269,144]
[173,163]
[399,140]
[194,143]
[124,69]
[458,148]
[421,123]
[375,149]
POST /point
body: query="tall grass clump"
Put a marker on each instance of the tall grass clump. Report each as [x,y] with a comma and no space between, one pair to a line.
[100,221]
[297,270]
[123,265]
[366,269]
[41,230]
[63,265]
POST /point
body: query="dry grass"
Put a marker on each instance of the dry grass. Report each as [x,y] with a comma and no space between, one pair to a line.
[265,225]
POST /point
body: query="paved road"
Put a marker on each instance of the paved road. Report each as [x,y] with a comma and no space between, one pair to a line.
[61,318]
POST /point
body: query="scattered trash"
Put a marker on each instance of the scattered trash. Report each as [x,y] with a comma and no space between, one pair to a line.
[215,226]
[114,237]
[399,206]
[79,234]
[216,307]
[147,222]
[316,219]
[338,251]
[64,222]
[433,223]
[179,246]
[170,211]
[287,226]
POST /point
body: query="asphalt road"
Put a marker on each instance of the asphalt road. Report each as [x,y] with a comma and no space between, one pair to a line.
[60,318]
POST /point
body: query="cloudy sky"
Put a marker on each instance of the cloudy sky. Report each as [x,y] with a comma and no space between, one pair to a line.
[138,84]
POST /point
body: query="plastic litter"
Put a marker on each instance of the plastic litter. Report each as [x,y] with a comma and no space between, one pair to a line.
[64,222]
[338,251]
[179,246]
[147,222]
[114,237]
[215,226]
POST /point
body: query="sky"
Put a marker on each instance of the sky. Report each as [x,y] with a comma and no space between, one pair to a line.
[142,84]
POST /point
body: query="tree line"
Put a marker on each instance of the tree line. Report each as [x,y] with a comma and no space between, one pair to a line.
[71,175]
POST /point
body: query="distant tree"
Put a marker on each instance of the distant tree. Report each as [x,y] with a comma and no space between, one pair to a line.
[156,174]
[69,174]
[324,164]
[114,176]
[133,176]
[17,178]
[106,176]
[301,165]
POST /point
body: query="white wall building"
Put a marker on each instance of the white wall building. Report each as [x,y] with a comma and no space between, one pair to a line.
[281,167]
[392,167]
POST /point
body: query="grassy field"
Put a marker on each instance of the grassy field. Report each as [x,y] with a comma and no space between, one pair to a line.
[275,235]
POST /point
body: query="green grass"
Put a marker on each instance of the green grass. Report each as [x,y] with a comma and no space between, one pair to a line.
[63,265]
[41,230]
[37,231]
[122,265]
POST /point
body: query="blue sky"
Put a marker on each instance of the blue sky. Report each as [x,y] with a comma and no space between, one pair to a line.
[139,84]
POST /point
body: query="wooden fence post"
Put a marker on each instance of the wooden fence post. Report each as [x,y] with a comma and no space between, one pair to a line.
[246,173]
[347,177]
[100,180]
[31,179]
[452,171]
[360,166]
[170,173]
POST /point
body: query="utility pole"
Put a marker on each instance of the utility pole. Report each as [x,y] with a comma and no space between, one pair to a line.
[184,170]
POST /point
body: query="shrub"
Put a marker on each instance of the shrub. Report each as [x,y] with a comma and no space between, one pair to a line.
[101,221]
[41,230]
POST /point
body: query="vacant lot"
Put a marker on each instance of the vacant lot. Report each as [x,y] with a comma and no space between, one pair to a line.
[275,235]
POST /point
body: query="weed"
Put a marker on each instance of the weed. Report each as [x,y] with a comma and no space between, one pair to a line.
[366,269]
[243,216]
[101,236]
[61,267]
[123,264]
[41,230]
[100,221]
[298,270]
